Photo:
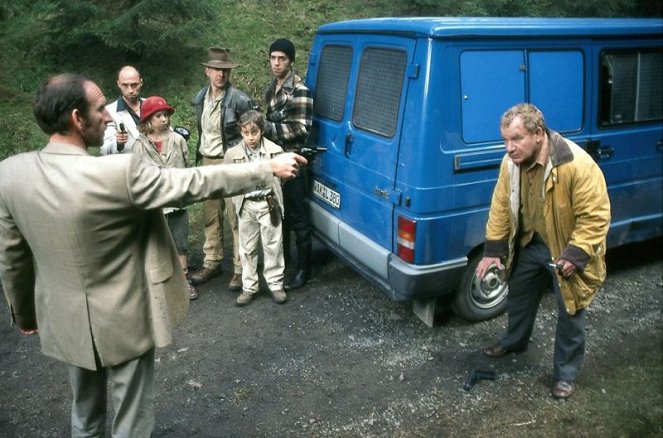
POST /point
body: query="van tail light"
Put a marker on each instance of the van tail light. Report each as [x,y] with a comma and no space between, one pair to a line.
[407,231]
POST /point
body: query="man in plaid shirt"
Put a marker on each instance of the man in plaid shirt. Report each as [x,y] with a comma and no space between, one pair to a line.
[288,123]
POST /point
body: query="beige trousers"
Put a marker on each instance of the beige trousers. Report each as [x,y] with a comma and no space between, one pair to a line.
[256,227]
[132,388]
[213,228]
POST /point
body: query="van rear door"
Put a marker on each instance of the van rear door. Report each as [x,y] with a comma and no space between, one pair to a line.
[360,91]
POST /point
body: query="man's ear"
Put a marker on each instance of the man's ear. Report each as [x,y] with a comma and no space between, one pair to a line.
[77,120]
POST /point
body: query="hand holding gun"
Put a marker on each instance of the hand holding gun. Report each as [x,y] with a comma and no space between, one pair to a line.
[309,152]
[121,138]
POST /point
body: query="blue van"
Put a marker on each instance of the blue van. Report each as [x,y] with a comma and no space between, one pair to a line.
[408,110]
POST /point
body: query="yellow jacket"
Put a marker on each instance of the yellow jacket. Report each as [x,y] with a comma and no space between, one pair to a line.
[577,218]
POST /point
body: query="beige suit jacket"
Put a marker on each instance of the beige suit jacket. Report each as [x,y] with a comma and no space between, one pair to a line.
[86,253]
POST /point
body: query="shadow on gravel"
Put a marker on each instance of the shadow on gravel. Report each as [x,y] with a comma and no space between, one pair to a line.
[633,254]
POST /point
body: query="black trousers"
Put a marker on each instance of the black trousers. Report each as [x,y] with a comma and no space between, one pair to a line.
[298,219]
[530,277]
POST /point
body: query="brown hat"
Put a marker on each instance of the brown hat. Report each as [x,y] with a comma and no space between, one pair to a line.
[219,58]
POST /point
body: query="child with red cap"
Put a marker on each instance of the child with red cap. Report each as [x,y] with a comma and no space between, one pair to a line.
[159,143]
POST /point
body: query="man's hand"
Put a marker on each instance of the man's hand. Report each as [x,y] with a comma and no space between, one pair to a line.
[121,137]
[567,268]
[486,263]
[286,165]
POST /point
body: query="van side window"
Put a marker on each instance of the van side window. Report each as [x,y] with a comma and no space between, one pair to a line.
[332,82]
[631,87]
[379,88]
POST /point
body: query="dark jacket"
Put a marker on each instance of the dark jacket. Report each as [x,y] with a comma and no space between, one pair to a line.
[234,104]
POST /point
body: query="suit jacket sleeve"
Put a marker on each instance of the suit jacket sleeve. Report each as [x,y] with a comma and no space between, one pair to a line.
[153,187]
[17,271]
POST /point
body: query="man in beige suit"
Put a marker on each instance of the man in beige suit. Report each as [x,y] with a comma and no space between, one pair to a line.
[86,259]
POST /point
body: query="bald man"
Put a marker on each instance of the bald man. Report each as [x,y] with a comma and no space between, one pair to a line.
[125,112]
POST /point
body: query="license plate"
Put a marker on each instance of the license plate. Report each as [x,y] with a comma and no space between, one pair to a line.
[327,195]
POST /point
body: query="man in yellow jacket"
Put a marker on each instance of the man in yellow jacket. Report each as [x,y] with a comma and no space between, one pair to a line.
[547,227]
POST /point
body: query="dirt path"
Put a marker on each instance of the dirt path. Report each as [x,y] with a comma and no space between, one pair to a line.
[341,360]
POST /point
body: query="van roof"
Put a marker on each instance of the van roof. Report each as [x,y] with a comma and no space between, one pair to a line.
[468,27]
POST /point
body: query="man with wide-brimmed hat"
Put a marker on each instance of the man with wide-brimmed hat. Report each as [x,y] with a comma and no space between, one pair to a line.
[218,108]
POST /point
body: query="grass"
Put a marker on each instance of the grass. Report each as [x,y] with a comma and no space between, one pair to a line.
[246,27]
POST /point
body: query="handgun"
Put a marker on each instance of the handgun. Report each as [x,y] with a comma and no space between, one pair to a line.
[120,146]
[557,266]
[477,375]
[309,152]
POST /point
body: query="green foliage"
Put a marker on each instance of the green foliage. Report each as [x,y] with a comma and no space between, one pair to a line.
[135,28]
[535,8]
[167,39]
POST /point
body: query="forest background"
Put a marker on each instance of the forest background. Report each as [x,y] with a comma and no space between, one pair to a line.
[167,39]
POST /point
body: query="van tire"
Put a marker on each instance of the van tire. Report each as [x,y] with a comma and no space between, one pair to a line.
[480,300]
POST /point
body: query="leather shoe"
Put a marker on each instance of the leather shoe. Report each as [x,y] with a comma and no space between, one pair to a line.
[299,280]
[244,298]
[206,274]
[563,389]
[496,351]
[235,284]
[279,296]
[193,293]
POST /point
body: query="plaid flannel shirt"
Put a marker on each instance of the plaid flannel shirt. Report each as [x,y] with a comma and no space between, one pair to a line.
[289,113]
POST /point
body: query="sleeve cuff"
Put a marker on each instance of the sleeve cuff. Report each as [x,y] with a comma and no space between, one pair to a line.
[495,248]
[576,256]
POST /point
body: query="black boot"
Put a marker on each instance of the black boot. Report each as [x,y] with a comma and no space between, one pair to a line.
[299,280]
[304,249]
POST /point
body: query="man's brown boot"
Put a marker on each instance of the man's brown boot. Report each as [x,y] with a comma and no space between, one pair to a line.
[205,274]
[235,284]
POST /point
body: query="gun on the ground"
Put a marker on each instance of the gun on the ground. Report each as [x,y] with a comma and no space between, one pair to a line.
[477,375]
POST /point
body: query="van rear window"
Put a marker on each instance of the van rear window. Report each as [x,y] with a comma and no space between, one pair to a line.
[379,88]
[332,82]
[631,87]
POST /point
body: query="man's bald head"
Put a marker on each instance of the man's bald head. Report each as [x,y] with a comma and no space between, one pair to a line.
[130,84]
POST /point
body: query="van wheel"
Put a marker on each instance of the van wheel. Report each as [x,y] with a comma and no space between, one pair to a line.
[479,300]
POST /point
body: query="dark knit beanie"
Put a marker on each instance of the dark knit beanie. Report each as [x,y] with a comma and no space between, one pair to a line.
[285,46]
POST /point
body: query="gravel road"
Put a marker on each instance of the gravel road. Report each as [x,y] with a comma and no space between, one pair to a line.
[342,360]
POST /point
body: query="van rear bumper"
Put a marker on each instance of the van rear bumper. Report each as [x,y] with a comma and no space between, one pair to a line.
[416,282]
[399,280]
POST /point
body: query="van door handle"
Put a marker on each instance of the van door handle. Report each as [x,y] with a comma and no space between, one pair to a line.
[659,145]
[596,151]
[349,139]
[606,152]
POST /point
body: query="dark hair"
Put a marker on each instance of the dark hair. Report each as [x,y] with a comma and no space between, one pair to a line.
[252,116]
[57,97]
